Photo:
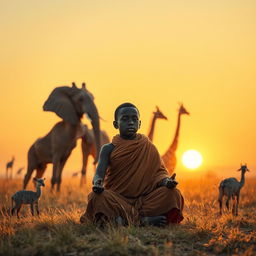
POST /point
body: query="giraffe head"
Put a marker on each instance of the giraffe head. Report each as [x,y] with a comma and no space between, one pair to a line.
[182,110]
[158,114]
[243,168]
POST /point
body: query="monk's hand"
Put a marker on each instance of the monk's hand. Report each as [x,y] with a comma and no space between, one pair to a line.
[98,186]
[170,182]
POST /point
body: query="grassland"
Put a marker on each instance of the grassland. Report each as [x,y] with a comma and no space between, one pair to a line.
[58,231]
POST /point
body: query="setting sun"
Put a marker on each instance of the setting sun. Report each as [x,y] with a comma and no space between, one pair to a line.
[191,159]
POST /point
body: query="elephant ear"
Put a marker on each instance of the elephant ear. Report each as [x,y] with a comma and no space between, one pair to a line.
[60,103]
[88,92]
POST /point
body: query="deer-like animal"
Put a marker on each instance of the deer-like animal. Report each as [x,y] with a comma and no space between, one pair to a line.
[230,188]
[28,197]
[9,165]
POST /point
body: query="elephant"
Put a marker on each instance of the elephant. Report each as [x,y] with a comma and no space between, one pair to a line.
[69,103]
[89,148]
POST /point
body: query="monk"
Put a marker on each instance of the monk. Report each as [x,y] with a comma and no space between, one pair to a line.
[131,184]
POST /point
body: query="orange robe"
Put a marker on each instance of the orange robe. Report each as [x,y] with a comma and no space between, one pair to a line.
[131,184]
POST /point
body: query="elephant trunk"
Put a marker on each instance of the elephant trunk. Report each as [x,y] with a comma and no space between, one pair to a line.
[96,130]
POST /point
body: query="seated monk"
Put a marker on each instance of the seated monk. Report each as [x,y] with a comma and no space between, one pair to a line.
[131,184]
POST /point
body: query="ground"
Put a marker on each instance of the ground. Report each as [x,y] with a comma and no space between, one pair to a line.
[58,231]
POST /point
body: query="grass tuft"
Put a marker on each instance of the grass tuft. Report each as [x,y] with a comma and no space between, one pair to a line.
[58,232]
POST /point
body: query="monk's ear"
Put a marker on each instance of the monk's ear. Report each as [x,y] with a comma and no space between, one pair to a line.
[115,124]
[139,124]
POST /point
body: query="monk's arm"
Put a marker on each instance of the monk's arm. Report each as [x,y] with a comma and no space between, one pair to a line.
[102,167]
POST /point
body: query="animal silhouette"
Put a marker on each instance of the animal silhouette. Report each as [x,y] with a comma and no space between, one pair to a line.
[69,103]
[74,174]
[230,188]
[89,148]
[169,157]
[28,197]
[19,171]
[156,115]
[9,165]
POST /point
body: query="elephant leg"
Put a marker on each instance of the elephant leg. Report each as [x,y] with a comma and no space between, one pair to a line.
[40,171]
[86,152]
[54,173]
[57,168]
[61,166]
[28,176]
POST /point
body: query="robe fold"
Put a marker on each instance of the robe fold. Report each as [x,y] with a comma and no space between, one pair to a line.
[131,184]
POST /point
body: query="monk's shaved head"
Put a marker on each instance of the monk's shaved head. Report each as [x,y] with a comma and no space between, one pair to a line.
[124,105]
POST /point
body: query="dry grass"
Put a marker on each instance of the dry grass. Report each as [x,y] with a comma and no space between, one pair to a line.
[58,232]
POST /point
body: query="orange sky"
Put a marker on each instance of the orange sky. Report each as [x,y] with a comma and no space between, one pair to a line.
[201,53]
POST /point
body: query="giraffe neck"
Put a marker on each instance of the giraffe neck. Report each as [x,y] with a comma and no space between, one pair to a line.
[152,128]
[174,144]
[242,179]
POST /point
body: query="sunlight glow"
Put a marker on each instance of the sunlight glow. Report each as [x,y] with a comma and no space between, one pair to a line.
[192,159]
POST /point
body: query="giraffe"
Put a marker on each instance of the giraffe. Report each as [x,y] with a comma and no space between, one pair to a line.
[156,115]
[9,165]
[169,157]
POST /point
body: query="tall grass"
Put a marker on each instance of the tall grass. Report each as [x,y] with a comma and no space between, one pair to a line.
[58,232]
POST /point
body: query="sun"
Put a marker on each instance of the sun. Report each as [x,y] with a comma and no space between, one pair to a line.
[192,159]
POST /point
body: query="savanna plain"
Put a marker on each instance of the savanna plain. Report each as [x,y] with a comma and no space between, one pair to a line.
[58,232]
